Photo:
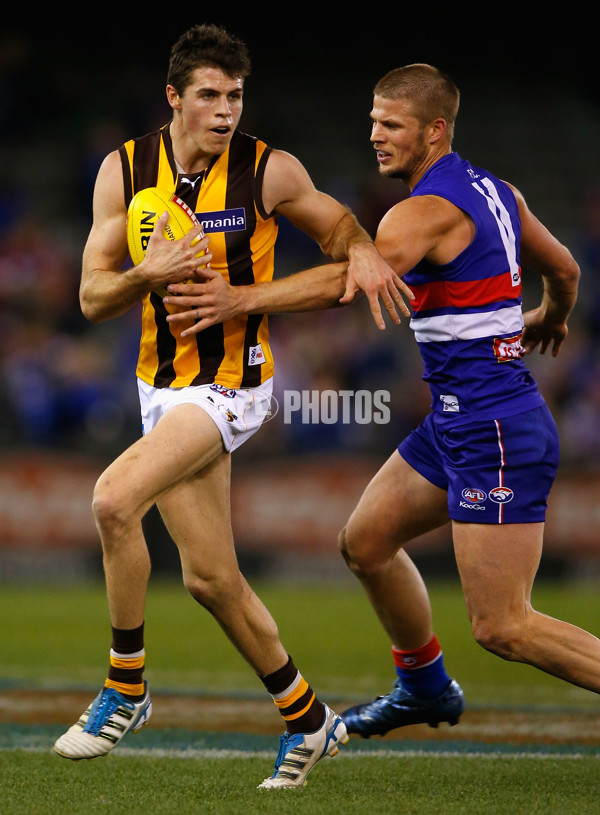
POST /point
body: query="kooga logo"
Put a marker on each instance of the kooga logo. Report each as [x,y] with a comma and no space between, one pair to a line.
[225,220]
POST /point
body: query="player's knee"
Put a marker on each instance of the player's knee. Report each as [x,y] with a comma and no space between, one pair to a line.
[212,591]
[197,589]
[356,558]
[499,638]
[342,544]
[109,506]
[345,549]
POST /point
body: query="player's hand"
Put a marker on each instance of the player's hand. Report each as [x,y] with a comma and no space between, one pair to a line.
[169,261]
[206,303]
[370,273]
[543,331]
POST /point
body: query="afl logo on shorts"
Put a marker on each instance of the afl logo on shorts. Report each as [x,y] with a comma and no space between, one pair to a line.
[228,392]
[475,496]
[501,495]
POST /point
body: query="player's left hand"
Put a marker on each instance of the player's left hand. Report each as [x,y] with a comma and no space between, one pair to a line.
[206,303]
[370,273]
[543,331]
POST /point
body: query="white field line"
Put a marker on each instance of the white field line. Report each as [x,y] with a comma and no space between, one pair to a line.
[344,756]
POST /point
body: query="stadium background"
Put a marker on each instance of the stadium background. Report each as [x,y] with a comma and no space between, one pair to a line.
[530,112]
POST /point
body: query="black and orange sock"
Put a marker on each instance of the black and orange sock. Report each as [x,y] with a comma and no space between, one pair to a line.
[422,669]
[295,699]
[127,658]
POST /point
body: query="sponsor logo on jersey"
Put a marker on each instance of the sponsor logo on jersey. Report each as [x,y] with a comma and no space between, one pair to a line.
[506,348]
[256,355]
[225,220]
[228,392]
[450,403]
[192,181]
[501,495]
[473,495]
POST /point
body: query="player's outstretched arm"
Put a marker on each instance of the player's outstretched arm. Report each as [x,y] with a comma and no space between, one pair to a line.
[289,191]
[215,300]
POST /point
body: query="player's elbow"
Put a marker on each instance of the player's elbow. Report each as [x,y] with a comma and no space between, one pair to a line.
[566,282]
[573,272]
[89,311]
[565,275]
[93,308]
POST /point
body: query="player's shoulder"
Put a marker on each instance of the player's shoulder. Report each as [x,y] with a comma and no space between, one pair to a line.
[282,161]
[423,211]
[109,187]
[111,162]
[285,179]
[111,170]
[520,198]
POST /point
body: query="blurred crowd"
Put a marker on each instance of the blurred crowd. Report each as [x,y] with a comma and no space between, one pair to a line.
[69,385]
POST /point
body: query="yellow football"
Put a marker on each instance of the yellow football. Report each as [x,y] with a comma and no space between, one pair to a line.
[145,209]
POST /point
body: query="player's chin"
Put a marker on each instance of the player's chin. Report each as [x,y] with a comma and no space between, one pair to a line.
[389,171]
[220,140]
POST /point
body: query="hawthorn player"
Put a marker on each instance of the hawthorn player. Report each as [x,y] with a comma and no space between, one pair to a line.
[202,396]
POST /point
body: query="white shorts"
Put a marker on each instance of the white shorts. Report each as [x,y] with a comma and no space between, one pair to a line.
[237,413]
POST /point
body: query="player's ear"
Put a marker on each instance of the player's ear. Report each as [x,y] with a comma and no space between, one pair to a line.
[173,97]
[437,130]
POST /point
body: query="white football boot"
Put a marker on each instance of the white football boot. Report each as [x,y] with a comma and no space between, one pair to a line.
[103,725]
[299,753]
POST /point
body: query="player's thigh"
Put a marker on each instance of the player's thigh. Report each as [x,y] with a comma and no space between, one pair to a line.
[497,564]
[397,505]
[197,515]
[182,443]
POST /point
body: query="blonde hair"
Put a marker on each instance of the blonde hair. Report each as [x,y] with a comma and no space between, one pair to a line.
[431,91]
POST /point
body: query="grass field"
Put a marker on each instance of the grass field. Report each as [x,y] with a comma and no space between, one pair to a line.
[527,743]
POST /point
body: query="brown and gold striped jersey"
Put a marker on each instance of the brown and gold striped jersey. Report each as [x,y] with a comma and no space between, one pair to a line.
[227,199]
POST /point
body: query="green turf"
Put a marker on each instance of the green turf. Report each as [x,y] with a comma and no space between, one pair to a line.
[39,784]
[61,635]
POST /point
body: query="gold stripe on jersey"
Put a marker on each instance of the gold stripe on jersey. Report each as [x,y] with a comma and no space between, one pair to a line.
[232,183]
[148,342]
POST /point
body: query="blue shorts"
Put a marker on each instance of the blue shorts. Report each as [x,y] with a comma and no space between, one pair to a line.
[496,472]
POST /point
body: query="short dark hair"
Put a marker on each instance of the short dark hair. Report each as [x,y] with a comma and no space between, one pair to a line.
[206,45]
[431,91]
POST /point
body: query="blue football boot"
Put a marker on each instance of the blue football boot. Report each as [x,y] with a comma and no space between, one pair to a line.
[400,708]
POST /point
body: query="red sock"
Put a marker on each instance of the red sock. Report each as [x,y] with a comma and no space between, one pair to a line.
[418,657]
[422,669]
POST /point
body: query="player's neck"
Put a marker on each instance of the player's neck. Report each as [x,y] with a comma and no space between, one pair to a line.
[189,158]
[432,158]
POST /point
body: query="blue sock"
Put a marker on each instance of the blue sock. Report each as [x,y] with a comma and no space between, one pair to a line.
[422,670]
